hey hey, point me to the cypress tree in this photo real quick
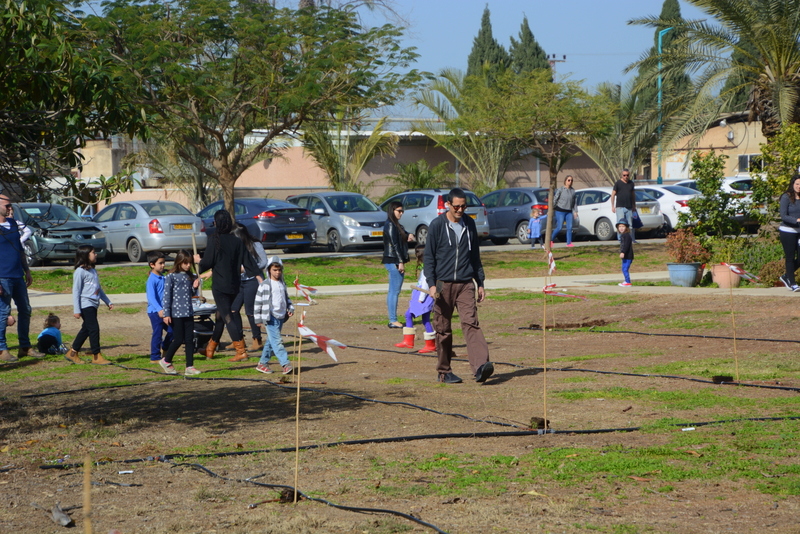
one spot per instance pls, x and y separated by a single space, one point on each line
486 51
526 54
674 84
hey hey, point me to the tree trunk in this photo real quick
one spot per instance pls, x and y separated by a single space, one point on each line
551 208
226 182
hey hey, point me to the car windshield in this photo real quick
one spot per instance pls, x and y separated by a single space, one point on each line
350 203
51 213
680 190
160 209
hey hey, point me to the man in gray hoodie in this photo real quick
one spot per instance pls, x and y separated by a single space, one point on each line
453 269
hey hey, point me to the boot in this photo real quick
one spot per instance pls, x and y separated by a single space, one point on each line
211 346
7 357
258 344
408 338
72 356
25 351
98 359
241 351
430 343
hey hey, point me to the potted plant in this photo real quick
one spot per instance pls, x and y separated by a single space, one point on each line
688 255
724 250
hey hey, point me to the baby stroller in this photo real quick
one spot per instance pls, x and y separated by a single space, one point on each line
203 323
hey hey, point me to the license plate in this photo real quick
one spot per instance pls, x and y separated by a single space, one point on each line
182 226
644 209
294 236
473 216
377 233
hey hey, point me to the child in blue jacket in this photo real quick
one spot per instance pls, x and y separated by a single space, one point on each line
535 227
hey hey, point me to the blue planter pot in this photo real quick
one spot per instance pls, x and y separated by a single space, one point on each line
684 274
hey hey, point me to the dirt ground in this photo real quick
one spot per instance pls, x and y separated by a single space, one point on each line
225 411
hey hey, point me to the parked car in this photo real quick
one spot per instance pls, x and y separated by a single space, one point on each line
509 211
672 199
423 205
57 232
597 219
731 184
136 228
342 218
276 223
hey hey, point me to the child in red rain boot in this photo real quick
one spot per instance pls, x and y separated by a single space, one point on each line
420 305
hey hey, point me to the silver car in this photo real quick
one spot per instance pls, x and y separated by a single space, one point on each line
597 219
343 219
57 232
423 205
136 228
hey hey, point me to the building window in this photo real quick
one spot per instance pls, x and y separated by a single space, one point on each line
750 163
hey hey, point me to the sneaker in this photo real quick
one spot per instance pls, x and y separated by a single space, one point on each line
624 284
287 369
191 371
785 281
449 378
570 245
263 368
795 288
7 357
167 367
484 372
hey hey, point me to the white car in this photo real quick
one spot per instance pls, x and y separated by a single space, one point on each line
732 184
597 219
672 199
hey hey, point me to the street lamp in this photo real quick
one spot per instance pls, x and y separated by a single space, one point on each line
660 38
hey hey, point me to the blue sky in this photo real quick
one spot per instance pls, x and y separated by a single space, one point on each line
594 35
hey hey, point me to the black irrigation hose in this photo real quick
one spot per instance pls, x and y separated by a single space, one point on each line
592 331
402 439
359 509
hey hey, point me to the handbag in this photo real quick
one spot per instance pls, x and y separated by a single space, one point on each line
636 222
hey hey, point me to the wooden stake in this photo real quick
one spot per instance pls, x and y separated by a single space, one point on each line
298 351
733 322
194 253
87 495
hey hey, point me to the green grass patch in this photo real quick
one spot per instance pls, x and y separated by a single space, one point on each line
668 400
751 367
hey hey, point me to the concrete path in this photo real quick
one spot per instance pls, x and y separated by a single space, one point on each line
575 283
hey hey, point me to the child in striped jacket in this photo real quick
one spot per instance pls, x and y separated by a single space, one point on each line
272 308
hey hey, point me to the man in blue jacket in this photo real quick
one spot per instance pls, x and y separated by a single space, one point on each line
15 277
453 269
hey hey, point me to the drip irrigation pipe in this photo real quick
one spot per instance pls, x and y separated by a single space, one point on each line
662 334
299 494
401 439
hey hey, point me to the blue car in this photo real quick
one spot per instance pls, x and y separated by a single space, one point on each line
276 223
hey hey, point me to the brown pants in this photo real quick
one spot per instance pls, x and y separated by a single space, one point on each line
458 296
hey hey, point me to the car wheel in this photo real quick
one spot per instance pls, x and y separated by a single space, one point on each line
422 235
30 255
334 241
135 252
499 240
604 230
522 233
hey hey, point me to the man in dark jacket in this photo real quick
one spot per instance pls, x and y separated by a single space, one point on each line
452 269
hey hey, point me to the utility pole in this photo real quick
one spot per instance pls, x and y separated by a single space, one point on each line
552 60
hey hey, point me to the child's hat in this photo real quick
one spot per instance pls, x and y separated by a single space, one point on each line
624 223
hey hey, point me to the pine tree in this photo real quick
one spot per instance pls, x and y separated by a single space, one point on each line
672 83
526 54
486 51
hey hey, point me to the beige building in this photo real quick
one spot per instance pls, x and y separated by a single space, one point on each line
296 172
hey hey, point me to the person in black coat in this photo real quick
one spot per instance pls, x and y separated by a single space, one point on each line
226 256
395 256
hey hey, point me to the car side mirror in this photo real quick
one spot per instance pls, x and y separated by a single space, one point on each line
320 211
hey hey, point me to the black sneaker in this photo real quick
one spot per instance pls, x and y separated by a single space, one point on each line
449 378
785 282
484 372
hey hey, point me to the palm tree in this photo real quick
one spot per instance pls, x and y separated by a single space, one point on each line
419 175
614 151
755 43
343 155
485 159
